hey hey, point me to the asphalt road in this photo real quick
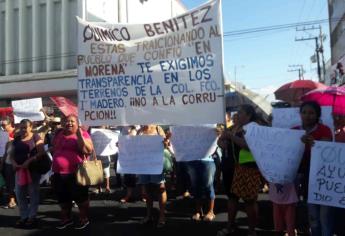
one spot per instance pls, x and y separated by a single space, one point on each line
109 217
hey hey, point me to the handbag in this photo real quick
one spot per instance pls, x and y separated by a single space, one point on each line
90 172
42 164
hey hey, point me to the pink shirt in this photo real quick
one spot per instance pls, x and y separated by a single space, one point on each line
67 156
283 194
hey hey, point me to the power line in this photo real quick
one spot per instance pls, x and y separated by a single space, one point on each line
227 34
278 27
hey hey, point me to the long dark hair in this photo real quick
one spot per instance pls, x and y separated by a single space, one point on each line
249 110
314 105
26 121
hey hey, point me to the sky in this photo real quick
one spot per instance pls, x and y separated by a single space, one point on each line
261 59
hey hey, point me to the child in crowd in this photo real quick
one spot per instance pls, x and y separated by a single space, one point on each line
284 199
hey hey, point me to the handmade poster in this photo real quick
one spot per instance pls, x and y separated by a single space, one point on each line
104 141
290 117
193 142
27 109
140 154
327 174
277 152
3 141
168 72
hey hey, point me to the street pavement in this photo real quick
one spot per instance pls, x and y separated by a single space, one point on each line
110 217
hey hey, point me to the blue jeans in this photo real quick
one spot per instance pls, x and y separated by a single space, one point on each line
27 210
201 174
321 220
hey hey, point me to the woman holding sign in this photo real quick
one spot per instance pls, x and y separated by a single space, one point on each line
151 182
71 145
247 179
320 217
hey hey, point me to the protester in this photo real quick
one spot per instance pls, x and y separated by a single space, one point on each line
202 173
151 182
284 198
71 146
7 168
106 170
230 152
27 147
247 179
129 179
321 217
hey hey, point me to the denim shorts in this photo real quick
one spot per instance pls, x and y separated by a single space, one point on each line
201 174
151 179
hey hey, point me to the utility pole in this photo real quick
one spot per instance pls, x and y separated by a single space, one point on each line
318 48
322 55
298 68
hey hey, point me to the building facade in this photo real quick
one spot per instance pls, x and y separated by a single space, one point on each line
38 40
336 10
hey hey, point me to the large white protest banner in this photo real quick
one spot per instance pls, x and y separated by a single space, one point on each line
193 142
167 72
27 109
290 117
3 141
277 152
140 154
327 174
104 141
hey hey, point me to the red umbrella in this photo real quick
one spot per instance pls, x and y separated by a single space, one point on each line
330 96
293 91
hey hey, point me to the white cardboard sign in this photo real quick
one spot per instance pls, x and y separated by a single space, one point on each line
327 174
104 141
277 152
27 109
193 142
140 154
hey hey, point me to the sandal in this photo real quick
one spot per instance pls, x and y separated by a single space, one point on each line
209 217
223 232
161 224
146 220
21 222
124 200
10 206
197 217
31 222
226 231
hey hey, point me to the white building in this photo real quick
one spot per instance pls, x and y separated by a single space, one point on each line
336 10
38 40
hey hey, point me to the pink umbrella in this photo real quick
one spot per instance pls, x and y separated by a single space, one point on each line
330 96
293 91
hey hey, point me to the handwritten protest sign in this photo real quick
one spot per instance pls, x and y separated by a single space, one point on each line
167 72
104 141
193 142
27 109
3 141
140 154
327 174
290 117
277 152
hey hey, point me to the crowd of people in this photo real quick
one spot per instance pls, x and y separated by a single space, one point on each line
232 163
